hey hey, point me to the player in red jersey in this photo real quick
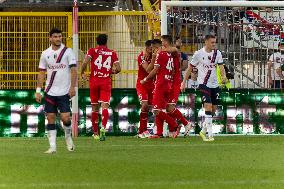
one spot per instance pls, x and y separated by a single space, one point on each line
163 70
175 90
104 62
145 91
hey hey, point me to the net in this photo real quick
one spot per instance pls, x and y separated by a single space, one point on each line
247 34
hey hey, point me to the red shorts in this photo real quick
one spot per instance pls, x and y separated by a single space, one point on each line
174 94
161 98
145 93
100 90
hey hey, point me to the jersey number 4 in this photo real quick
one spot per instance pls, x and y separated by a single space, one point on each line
106 64
170 64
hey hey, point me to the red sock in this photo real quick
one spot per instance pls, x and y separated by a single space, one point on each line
178 115
105 117
95 122
143 122
171 122
159 124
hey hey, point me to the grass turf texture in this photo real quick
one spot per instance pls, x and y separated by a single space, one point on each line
127 162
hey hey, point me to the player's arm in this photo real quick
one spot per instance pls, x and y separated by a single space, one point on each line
223 73
40 78
72 62
150 67
279 72
184 63
86 62
116 68
270 64
151 74
220 63
73 71
187 74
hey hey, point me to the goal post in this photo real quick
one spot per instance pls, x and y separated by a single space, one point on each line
165 4
248 33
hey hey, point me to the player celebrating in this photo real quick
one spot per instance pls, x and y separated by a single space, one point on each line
58 61
104 62
206 60
175 89
163 70
145 91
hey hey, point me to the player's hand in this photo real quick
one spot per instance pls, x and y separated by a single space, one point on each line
72 92
270 81
143 81
224 80
38 97
84 77
182 86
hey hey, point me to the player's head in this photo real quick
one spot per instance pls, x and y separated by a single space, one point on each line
281 45
102 39
55 36
148 46
156 44
166 40
210 41
178 43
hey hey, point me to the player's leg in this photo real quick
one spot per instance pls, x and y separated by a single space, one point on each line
64 108
143 97
51 110
215 96
94 96
95 120
105 117
160 101
207 104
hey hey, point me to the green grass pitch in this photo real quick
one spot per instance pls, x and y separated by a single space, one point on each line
127 162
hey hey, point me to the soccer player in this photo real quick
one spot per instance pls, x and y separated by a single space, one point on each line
58 61
206 61
104 62
163 70
144 92
275 76
175 89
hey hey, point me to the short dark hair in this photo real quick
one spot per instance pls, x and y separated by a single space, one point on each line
167 38
209 37
54 30
148 43
156 41
102 39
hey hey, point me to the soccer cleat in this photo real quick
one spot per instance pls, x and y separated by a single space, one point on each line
70 144
202 135
102 134
210 139
146 134
187 129
50 151
171 134
177 132
155 136
96 137
141 135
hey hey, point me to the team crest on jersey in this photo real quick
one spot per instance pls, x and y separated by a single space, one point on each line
209 57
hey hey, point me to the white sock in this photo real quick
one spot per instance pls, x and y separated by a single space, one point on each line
208 122
204 128
52 138
68 131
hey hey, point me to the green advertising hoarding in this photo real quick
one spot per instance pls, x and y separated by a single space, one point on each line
240 112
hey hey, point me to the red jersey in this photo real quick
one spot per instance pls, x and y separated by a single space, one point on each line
141 71
164 77
177 74
102 61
